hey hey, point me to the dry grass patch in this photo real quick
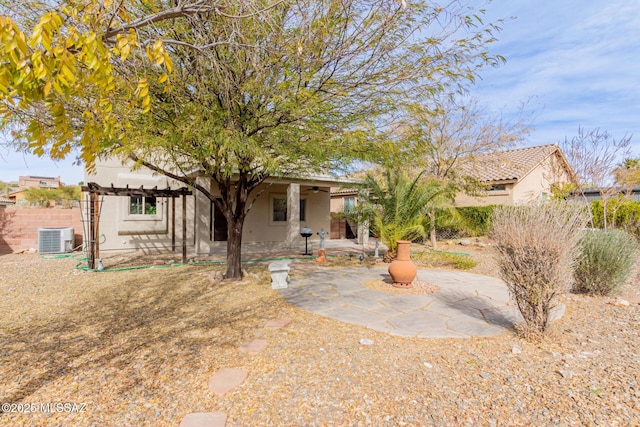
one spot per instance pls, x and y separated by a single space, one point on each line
124 341
138 347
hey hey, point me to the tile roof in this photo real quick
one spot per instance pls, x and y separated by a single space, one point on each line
508 165
343 191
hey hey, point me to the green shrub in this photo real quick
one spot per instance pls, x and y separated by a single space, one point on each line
607 259
477 219
470 221
622 214
537 246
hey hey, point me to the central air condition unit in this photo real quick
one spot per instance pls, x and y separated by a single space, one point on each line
55 240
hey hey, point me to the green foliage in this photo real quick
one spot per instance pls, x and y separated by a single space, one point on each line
64 196
435 259
537 246
607 259
396 208
468 221
622 213
627 173
477 219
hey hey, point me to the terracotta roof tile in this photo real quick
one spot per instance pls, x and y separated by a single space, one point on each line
508 165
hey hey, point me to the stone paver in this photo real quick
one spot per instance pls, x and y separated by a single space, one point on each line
253 347
466 305
226 379
204 419
278 323
420 321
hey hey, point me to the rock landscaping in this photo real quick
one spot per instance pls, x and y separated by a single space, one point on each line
151 347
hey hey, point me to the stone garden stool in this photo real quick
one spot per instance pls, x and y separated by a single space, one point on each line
279 274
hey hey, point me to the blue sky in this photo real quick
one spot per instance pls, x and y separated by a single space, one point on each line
576 63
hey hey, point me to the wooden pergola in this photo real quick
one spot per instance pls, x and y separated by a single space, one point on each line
96 190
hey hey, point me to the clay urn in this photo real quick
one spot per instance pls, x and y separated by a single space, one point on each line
402 270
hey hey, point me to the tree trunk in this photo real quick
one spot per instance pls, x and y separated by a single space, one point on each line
234 201
432 235
234 252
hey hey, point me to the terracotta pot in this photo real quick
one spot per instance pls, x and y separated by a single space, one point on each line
402 270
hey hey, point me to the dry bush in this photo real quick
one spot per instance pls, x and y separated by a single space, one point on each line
537 246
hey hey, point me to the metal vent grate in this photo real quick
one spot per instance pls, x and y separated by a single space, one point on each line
55 240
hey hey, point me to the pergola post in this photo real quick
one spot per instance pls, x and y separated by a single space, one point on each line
184 228
92 232
173 224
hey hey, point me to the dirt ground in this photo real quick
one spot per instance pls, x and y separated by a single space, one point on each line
136 347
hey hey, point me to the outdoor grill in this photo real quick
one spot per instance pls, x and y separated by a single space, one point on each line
306 232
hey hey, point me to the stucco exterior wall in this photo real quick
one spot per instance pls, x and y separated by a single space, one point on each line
536 186
497 197
120 230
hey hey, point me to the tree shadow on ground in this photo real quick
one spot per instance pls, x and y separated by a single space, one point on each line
477 307
155 314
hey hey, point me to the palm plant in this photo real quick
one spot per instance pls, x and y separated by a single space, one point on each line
397 207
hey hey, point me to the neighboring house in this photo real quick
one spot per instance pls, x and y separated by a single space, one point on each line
5 201
516 177
26 182
284 207
39 182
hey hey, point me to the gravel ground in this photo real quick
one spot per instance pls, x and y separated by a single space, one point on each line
137 347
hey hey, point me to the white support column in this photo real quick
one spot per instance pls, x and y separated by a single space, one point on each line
293 215
201 218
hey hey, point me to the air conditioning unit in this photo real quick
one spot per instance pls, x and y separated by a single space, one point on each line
55 240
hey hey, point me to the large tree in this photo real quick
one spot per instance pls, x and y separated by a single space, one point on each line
446 135
235 91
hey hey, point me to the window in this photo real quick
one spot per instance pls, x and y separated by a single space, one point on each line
139 205
349 204
303 209
280 209
500 187
43 183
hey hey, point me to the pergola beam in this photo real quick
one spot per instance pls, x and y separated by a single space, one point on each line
96 190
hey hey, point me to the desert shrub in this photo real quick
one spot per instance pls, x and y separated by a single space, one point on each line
607 259
537 247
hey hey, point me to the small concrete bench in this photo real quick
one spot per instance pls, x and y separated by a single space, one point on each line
279 274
